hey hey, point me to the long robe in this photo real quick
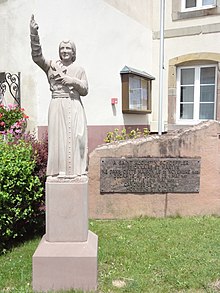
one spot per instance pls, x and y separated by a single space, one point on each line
67 130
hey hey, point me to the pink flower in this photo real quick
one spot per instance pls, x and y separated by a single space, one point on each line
2 123
10 106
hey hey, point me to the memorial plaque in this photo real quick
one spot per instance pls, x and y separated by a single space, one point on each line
149 175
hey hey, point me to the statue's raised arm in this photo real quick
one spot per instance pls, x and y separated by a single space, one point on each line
36 50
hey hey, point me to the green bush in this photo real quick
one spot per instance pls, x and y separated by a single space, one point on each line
21 193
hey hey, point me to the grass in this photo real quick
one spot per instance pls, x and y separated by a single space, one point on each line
141 255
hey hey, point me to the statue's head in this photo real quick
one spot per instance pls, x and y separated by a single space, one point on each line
67 49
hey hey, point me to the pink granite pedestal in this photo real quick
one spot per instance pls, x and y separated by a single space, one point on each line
66 257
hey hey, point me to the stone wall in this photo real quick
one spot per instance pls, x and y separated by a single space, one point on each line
202 140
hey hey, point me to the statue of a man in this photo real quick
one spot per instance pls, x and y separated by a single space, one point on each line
67 131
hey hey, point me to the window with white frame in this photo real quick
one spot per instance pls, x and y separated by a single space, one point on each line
196 93
188 5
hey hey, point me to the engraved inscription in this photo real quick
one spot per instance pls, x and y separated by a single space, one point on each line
149 175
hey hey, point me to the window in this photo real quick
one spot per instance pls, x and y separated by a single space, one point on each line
196 93
188 5
136 91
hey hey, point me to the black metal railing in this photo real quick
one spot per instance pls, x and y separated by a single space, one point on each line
12 83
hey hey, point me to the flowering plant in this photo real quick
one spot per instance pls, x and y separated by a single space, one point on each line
13 120
118 135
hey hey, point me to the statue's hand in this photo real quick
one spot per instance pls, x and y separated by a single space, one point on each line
65 80
33 26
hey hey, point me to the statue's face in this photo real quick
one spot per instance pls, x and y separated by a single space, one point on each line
66 52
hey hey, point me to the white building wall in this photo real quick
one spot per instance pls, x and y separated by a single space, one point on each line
139 10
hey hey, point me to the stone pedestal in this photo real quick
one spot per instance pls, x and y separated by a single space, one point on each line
67 210
65 265
66 257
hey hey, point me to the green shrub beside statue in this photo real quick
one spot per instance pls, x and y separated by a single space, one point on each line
22 178
21 193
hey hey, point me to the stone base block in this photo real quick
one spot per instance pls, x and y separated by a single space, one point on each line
66 210
66 265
